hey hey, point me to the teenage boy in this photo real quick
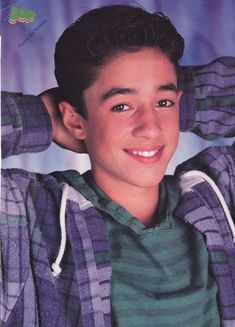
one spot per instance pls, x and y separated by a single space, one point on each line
129 247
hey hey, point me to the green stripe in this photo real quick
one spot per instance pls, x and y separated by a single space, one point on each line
220 257
12 220
16 121
216 102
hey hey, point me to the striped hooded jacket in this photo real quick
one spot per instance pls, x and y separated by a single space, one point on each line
33 208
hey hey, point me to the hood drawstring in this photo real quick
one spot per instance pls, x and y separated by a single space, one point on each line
196 173
56 270
193 174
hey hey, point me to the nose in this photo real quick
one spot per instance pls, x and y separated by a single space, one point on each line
148 124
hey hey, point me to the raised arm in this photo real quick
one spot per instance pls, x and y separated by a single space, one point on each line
208 103
208 109
29 123
26 125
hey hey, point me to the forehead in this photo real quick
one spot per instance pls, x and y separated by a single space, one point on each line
143 66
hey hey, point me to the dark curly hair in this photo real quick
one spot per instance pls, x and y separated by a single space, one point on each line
95 37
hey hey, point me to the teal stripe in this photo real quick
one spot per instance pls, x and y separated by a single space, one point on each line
160 275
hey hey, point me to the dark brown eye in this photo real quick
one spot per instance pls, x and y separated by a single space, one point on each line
120 107
165 103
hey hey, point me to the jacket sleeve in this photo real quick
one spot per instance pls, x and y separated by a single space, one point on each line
26 125
208 103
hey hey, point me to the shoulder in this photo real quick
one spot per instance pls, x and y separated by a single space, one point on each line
20 192
218 163
214 161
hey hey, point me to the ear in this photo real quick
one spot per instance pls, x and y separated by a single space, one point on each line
72 120
179 95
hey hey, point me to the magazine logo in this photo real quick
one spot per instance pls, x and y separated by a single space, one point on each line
21 15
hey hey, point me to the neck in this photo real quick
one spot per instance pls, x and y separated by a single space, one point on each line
141 202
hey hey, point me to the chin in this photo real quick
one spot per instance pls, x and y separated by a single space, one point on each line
149 181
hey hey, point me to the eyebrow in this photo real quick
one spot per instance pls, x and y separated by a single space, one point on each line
116 91
119 90
168 87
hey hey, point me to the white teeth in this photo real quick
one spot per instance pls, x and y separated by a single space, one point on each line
145 153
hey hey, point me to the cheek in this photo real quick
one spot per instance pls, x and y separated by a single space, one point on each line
100 137
174 135
171 125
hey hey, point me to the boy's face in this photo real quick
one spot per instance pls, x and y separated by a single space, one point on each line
133 119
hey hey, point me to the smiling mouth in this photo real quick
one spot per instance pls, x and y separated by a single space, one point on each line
146 156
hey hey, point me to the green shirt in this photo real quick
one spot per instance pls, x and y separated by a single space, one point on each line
160 275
